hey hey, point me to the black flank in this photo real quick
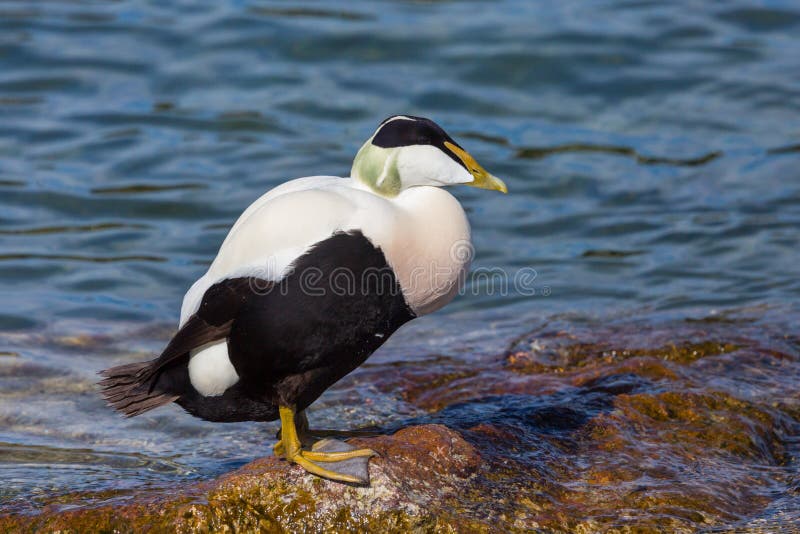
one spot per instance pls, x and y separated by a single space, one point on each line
288 341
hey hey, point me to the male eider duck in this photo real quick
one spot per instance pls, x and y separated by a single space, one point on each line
312 279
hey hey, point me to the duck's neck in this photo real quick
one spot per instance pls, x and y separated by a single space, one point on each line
376 168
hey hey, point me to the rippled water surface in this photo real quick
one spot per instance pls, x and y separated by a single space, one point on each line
651 152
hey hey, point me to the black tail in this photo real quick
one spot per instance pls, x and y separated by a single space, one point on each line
130 388
138 387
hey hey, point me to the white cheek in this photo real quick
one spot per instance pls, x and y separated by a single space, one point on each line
427 165
456 173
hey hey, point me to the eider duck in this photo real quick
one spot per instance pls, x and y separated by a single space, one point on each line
313 277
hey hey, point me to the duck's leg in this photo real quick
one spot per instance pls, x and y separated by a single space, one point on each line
309 435
290 447
301 427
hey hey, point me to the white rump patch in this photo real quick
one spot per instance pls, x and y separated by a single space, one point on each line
210 369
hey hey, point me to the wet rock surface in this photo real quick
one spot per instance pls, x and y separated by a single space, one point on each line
679 426
415 484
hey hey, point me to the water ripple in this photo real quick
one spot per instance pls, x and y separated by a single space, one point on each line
75 257
86 228
542 152
650 148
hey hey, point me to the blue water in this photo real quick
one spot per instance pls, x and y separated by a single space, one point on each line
651 152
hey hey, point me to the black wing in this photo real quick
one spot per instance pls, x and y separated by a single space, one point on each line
138 387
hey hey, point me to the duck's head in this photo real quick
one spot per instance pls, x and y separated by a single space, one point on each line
408 151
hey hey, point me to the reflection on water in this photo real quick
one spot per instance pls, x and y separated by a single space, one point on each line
650 149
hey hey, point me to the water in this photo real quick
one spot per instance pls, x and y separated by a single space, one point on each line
651 152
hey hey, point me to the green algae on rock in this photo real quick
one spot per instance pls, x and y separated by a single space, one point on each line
418 475
678 426
603 426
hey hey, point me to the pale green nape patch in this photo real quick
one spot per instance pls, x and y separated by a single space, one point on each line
377 168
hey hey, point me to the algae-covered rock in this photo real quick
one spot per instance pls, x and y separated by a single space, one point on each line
602 427
419 471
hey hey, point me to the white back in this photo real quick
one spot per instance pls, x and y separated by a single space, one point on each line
421 231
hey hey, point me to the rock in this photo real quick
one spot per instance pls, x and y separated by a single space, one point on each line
604 427
414 483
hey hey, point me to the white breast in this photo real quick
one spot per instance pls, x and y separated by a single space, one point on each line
432 251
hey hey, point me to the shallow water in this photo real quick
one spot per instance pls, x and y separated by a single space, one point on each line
651 153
